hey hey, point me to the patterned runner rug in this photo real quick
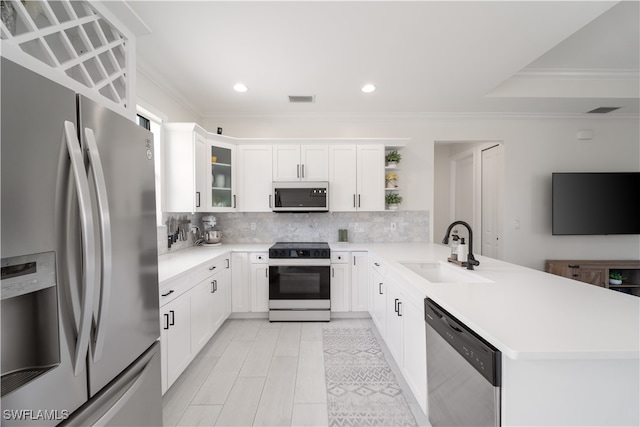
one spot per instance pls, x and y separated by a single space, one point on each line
361 388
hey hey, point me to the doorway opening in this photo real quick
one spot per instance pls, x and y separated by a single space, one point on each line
468 186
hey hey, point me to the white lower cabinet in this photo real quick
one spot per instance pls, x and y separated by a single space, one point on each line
250 278
191 314
414 355
175 339
241 279
340 282
378 292
201 315
259 287
395 327
359 264
398 314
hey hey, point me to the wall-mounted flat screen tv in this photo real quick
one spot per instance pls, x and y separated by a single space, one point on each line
595 203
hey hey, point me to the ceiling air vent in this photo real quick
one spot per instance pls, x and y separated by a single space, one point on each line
603 110
302 99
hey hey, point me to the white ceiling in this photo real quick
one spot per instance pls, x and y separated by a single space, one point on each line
425 57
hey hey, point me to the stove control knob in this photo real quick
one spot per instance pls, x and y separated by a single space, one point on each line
316 254
325 253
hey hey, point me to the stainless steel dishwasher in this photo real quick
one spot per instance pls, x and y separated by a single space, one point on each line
463 372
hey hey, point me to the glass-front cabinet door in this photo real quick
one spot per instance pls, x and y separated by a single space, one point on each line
222 177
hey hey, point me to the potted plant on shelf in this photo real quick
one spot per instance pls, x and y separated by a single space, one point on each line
616 278
393 200
393 158
391 180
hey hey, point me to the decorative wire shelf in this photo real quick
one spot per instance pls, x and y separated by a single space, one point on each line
72 38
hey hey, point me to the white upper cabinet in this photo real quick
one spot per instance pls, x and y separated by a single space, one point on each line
205 172
305 162
185 182
254 178
370 168
199 170
356 178
221 176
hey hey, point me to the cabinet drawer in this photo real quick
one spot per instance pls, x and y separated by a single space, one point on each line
259 257
339 257
174 288
208 268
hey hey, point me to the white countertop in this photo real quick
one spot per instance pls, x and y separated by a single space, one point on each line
174 264
526 313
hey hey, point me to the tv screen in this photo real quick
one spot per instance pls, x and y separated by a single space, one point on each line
593 203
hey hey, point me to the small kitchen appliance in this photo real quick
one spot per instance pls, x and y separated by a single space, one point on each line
302 196
210 236
299 281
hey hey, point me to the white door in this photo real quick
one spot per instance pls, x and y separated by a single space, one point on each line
359 281
340 287
370 167
259 287
241 279
492 185
286 162
202 170
342 178
314 160
255 178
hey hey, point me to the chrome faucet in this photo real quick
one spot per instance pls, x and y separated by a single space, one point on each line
471 260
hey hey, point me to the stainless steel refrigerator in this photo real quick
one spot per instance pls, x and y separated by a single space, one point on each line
79 260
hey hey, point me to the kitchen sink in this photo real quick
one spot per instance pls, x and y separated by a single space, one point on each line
443 272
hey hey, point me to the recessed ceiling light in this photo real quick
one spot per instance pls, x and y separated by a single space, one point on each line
368 88
239 87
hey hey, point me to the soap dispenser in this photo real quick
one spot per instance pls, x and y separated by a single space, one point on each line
463 251
454 244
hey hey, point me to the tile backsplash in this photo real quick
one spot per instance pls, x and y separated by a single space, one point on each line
259 227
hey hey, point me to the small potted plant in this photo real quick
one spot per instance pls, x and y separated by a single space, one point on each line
393 158
391 179
393 200
616 278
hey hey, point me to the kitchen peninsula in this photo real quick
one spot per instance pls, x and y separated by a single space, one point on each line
570 352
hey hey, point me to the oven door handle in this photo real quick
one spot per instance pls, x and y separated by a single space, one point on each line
295 262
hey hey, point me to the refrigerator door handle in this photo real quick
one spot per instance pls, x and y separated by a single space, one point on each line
70 139
105 230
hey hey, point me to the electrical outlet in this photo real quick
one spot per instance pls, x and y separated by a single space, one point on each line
253 226
393 226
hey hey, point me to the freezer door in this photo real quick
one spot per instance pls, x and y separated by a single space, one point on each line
134 398
34 151
119 156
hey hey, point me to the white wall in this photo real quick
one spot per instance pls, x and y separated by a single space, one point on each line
152 97
534 148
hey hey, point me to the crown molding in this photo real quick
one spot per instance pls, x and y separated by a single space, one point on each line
422 116
579 73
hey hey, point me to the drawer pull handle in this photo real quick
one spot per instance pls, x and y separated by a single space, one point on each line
168 293
380 288
212 268
173 318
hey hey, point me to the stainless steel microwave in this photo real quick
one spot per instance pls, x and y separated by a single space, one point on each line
303 196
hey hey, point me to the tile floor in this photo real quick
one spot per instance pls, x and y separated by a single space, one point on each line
253 372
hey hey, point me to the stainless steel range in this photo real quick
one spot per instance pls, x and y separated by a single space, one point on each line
299 282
